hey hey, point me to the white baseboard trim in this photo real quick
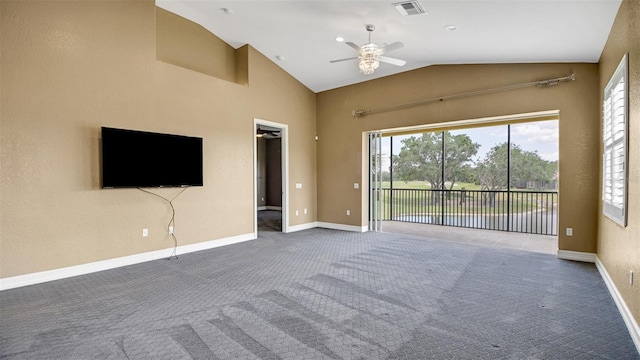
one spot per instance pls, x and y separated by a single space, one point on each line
342 227
577 256
211 244
632 325
301 227
62 273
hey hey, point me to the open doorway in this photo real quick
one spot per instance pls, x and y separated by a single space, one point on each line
270 177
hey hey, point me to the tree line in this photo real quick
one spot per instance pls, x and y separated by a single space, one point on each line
423 159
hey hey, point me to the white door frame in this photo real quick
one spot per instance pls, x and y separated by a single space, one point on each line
375 180
284 128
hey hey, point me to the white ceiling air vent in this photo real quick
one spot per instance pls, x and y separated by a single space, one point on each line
409 8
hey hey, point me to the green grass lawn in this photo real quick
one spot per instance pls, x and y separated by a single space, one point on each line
398 184
427 202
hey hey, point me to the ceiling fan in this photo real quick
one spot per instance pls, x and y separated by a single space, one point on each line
370 55
267 134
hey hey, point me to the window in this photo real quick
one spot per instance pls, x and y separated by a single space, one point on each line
614 136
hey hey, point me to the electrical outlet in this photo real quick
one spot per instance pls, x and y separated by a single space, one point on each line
170 229
569 232
145 232
348 212
296 212
305 211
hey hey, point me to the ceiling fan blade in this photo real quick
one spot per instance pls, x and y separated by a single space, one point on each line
392 61
345 59
393 46
354 46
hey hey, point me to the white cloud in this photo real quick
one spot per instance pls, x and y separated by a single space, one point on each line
386 150
539 132
549 156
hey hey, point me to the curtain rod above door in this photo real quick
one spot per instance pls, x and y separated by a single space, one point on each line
539 83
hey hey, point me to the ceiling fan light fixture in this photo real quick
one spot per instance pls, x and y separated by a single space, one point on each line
369 58
268 133
370 54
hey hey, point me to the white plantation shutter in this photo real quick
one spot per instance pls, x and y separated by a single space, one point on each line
614 136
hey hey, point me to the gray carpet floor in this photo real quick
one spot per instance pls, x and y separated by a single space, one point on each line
323 294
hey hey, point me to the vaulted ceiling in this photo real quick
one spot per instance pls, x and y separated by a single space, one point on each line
300 36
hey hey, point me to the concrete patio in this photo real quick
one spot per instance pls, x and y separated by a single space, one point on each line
544 244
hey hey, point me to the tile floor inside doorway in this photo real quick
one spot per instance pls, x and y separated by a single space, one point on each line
269 221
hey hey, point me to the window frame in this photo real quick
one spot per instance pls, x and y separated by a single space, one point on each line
615 144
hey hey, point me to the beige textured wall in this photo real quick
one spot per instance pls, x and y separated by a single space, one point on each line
69 68
274 172
340 149
269 172
184 43
618 247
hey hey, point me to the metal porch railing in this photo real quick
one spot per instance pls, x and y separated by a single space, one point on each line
533 212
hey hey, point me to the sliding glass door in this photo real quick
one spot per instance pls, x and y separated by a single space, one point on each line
375 181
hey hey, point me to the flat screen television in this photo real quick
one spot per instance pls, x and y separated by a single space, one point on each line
132 159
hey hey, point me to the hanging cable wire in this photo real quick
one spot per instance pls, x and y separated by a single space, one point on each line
539 83
171 225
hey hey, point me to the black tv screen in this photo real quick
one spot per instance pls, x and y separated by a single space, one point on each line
133 158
